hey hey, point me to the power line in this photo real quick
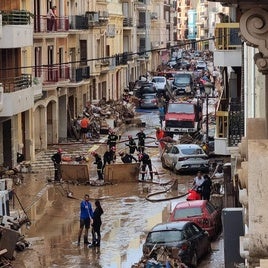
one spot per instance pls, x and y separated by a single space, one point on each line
120 55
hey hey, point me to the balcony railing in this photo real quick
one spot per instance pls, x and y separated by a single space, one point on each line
53 74
16 17
13 84
78 22
226 36
42 24
127 22
80 73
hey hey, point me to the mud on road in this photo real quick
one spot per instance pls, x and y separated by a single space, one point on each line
127 218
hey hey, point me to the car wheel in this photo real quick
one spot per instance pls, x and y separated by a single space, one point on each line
174 169
194 261
163 163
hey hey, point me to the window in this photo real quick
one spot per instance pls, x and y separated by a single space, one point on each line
165 236
182 213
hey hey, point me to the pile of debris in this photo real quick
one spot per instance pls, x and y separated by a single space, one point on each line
102 116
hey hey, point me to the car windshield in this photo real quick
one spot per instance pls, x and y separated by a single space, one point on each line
183 213
148 97
181 108
167 236
148 89
159 79
182 79
191 151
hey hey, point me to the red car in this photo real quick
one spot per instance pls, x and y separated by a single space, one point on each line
202 212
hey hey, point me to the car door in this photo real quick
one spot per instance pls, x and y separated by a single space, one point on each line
200 239
174 156
215 216
168 157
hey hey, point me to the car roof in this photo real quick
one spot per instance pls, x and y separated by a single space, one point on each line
179 225
184 146
148 94
192 203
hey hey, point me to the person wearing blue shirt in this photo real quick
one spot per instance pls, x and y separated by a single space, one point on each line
86 213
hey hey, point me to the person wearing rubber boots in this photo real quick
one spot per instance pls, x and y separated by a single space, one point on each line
98 162
112 139
145 161
86 214
141 141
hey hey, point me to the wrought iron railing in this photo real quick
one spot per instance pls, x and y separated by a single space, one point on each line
227 36
43 24
16 17
52 73
12 84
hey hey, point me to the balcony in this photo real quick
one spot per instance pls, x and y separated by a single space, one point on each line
128 22
16 29
227 44
103 17
16 95
79 74
78 22
42 24
53 74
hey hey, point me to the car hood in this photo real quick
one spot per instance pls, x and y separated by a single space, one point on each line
180 117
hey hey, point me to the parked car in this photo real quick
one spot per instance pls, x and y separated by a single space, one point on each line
185 157
183 83
149 100
146 88
201 65
160 83
172 62
201 212
187 237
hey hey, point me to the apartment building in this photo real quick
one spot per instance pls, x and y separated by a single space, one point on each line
50 69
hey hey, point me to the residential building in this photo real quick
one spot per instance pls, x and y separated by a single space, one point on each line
18 90
245 117
50 68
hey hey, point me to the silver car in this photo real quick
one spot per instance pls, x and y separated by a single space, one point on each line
185 157
149 101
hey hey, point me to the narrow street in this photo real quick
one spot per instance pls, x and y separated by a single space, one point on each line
127 217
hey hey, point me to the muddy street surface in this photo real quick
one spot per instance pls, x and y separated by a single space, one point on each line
127 217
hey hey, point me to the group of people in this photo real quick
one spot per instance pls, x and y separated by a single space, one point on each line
109 156
87 215
202 185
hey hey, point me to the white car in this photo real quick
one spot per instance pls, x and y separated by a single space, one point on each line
201 65
185 157
160 82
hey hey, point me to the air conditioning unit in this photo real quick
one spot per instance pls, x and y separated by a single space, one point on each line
154 16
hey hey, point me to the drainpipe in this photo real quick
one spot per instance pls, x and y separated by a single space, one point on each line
253 50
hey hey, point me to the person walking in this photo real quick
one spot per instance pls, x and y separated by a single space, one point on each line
86 213
84 128
131 144
98 162
141 140
56 158
206 188
96 235
145 161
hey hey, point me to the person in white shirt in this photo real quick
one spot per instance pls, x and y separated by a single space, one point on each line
51 16
198 181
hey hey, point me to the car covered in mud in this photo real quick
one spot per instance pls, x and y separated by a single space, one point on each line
201 212
183 240
185 157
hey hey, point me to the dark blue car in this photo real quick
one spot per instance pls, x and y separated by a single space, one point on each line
183 240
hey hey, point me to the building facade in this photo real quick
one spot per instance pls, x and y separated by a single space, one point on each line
52 66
